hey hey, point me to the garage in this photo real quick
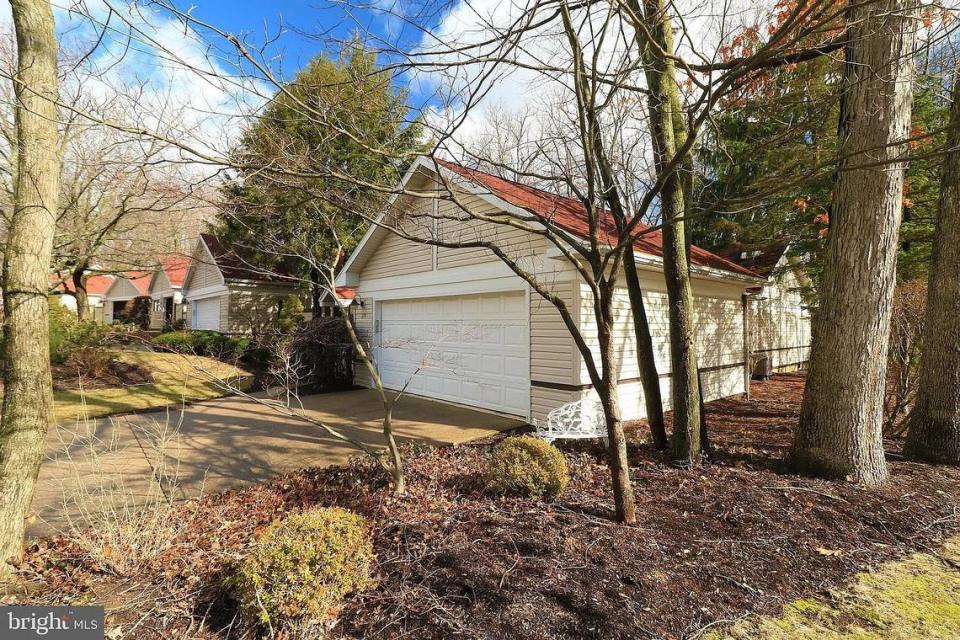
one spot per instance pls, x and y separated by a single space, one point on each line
469 349
206 314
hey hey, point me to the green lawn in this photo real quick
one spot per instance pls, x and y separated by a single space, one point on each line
177 378
918 597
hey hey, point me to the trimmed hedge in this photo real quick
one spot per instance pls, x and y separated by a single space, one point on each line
203 343
527 466
304 565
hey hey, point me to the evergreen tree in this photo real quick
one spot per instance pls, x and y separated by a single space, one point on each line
768 167
338 116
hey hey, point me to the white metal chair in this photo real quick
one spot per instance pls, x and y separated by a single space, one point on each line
574 420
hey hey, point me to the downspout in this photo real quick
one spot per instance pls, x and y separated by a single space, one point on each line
745 300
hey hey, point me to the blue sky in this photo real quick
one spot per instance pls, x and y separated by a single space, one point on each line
328 20
257 18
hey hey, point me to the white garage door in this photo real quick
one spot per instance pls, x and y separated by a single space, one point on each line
471 350
206 314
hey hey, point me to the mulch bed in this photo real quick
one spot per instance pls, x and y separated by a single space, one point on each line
113 373
712 544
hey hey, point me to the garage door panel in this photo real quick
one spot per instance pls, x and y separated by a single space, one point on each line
206 314
468 349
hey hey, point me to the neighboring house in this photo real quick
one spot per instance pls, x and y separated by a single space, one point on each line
460 326
166 292
346 297
779 323
228 295
96 288
123 297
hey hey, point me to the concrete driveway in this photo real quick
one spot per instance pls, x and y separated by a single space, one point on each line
220 444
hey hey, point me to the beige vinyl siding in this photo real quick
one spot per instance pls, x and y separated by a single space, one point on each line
363 321
719 323
123 289
156 315
544 400
552 349
396 256
456 226
552 352
780 324
205 274
225 301
160 284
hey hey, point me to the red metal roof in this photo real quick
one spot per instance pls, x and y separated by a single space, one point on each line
96 285
570 215
139 279
346 293
176 267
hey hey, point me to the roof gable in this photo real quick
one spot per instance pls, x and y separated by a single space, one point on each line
131 284
159 282
567 214
234 267
201 256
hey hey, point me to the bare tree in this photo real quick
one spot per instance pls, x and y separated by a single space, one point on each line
28 388
934 427
599 57
840 430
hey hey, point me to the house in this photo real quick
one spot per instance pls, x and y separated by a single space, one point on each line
126 299
344 297
458 325
96 288
229 295
166 292
779 322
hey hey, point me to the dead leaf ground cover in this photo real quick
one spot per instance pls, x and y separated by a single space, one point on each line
712 544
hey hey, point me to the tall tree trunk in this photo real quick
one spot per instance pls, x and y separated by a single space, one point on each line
28 391
840 429
663 101
646 357
934 427
623 497
80 294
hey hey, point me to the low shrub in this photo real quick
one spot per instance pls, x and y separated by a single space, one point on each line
93 362
304 565
527 466
203 343
68 334
179 341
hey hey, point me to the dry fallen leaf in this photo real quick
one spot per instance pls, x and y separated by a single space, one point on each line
829 552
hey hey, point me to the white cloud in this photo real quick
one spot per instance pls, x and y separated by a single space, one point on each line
154 72
466 94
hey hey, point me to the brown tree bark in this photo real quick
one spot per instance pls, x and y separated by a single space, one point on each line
646 358
933 432
623 496
604 382
663 101
80 293
28 394
840 429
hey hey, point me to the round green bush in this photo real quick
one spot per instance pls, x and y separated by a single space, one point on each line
527 466
304 565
